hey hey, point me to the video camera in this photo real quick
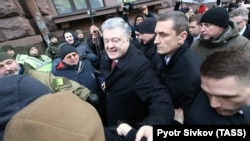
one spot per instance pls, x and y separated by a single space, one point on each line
125 7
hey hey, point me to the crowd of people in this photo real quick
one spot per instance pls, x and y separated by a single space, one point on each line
180 68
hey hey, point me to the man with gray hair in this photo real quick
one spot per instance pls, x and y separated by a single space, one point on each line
240 17
135 98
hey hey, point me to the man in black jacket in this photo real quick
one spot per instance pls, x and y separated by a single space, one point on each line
180 67
133 91
225 99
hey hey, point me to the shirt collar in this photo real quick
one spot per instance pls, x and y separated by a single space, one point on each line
242 31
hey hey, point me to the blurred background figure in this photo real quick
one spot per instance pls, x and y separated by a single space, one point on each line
80 35
10 50
52 50
240 17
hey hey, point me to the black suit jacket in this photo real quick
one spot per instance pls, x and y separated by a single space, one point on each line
134 93
247 32
202 114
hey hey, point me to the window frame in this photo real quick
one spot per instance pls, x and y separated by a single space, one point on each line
74 8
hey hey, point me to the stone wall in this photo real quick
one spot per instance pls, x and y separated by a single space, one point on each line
17 26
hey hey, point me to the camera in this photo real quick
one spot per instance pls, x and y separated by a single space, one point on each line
128 7
91 12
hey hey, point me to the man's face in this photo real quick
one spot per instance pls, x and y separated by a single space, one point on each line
80 36
138 20
11 52
240 21
33 51
53 40
210 31
145 37
9 67
166 39
69 37
71 59
226 95
137 36
115 42
194 28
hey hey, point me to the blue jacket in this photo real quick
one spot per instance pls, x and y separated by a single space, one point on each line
84 73
16 92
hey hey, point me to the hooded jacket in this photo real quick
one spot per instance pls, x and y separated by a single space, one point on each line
228 39
16 92
56 118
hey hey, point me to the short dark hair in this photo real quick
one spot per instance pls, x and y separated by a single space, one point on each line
180 20
195 17
229 62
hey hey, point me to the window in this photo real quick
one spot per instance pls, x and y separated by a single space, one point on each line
71 6
96 4
121 1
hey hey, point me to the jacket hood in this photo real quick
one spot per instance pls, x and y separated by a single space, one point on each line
76 41
16 92
230 32
56 117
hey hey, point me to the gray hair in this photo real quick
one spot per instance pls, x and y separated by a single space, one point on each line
117 22
241 11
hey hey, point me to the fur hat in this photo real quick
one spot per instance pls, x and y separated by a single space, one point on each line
56 117
147 26
4 56
216 16
66 48
16 92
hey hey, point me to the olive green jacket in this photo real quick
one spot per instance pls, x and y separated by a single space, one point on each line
58 84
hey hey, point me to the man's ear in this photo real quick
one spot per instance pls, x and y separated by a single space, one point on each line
182 37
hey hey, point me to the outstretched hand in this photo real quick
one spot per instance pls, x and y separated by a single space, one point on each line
145 131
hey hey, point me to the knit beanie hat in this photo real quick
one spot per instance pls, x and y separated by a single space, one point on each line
28 48
202 8
51 36
4 56
7 47
216 16
65 49
56 117
16 92
147 26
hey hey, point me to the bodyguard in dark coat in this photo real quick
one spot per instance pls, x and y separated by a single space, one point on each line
180 67
225 97
133 91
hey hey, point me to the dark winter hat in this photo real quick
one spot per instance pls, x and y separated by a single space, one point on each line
28 48
7 47
216 16
147 26
50 36
4 56
65 49
16 92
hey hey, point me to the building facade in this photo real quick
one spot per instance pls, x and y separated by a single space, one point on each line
26 22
